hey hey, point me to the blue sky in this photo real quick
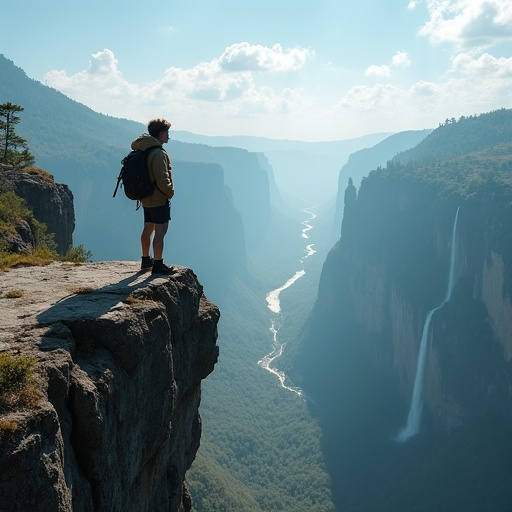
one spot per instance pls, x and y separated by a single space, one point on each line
323 70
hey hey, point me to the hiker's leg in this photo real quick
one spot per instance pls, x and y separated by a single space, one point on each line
158 240
145 238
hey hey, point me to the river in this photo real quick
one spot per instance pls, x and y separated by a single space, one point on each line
277 318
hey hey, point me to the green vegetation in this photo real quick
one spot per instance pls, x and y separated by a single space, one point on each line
13 294
14 149
392 261
259 445
78 254
260 448
81 290
460 156
459 137
37 171
14 213
463 175
467 161
7 427
17 382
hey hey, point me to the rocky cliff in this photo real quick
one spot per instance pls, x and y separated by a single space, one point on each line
89 163
390 272
246 174
391 268
51 203
120 358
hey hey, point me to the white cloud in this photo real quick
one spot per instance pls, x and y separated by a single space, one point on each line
103 64
239 94
379 71
485 65
205 81
222 87
401 59
391 108
98 85
412 5
377 97
102 70
467 23
423 88
247 57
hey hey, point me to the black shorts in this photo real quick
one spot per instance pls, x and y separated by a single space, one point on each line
158 214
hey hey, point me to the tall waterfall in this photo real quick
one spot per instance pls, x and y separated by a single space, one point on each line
414 417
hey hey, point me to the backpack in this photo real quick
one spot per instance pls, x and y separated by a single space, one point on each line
134 175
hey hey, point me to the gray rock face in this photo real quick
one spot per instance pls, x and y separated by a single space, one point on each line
120 366
51 203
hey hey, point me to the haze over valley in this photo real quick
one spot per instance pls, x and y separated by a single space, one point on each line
361 282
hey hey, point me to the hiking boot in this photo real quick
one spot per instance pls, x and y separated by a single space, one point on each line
159 267
147 263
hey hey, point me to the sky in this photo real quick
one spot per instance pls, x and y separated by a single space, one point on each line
282 69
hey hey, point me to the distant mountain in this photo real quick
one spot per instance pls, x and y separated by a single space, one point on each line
336 148
466 135
247 178
220 219
83 150
362 162
421 273
305 170
231 224
228 225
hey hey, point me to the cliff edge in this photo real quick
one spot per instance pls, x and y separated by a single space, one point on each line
120 356
51 203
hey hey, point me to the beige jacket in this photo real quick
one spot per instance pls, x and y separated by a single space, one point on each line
159 169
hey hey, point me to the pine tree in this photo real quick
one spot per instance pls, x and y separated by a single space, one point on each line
14 149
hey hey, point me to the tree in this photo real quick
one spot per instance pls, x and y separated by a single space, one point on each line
14 149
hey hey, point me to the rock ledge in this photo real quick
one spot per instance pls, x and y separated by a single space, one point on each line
121 355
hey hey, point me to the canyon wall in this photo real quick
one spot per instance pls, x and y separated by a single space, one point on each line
391 268
51 203
386 275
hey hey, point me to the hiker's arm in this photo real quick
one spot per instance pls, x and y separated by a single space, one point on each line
163 175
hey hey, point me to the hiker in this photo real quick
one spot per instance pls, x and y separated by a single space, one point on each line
157 206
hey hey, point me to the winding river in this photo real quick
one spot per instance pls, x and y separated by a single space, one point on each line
274 305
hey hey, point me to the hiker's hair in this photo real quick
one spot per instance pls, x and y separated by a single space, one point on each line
155 126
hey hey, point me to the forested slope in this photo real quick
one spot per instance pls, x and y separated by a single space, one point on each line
389 270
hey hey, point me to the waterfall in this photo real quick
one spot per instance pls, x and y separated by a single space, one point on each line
414 417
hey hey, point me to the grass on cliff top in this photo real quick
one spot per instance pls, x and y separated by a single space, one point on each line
37 171
40 256
14 213
18 386
18 389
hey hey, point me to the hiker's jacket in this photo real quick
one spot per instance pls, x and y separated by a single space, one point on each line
159 169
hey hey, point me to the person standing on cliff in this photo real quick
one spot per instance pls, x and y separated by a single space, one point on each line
157 206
